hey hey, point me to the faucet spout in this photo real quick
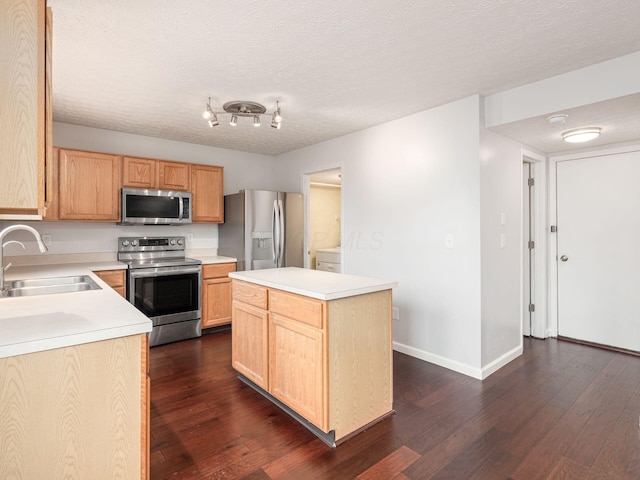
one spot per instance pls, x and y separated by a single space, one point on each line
41 246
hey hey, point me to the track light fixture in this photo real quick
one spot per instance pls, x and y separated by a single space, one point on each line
242 109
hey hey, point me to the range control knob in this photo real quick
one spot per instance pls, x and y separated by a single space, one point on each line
172 241
125 243
134 243
180 241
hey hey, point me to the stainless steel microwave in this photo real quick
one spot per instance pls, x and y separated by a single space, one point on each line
155 207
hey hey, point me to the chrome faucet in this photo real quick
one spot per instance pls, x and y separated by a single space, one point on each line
3 233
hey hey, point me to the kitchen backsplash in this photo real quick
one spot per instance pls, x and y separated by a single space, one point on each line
76 237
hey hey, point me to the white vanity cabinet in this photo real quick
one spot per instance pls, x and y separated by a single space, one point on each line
329 260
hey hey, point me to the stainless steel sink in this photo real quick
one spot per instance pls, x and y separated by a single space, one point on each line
46 286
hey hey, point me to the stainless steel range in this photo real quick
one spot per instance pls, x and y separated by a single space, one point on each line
164 285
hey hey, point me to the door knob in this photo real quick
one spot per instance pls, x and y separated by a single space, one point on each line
564 258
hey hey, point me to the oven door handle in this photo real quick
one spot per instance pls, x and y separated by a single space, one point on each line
163 271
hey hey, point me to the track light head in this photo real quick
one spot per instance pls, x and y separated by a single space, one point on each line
234 120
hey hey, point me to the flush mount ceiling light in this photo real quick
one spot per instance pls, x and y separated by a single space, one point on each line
242 109
581 135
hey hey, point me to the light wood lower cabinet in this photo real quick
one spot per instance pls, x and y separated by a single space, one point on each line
76 412
216 294
116 279
329 361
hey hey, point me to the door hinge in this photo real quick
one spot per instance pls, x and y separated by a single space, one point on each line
532 307
531 244
554 229
531 182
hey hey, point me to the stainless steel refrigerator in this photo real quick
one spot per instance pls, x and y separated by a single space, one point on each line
263 229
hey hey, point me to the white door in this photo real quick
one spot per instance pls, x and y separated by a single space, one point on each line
598 216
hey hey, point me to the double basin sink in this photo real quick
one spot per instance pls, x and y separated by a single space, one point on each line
45 286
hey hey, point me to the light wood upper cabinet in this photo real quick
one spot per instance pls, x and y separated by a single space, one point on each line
174 176
139 173
24 118
207 188
89 186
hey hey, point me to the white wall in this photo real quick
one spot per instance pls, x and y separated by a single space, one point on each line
500 198
407 184
241 170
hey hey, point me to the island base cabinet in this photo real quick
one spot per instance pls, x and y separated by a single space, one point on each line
76 412
330 362
297 368
249 347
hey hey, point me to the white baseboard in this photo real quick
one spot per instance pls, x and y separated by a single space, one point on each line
456 366
500 362
438 360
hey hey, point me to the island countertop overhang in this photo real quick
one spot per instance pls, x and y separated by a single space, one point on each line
313 283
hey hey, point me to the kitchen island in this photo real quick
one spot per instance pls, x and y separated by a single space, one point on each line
318 344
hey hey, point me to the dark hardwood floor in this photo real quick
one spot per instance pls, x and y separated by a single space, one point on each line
560 411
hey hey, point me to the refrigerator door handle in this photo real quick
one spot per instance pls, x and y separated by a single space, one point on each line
275 232
281 235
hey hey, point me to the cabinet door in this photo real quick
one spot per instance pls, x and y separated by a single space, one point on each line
174 176
89 186
207 188
139 172
23 115
296 368
216 302
249 342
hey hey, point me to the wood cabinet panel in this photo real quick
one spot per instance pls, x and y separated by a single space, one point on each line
23 117
87 424
51 212
116 279
296 368
249 293
207 188
139 172
174 176
216 302
250 349
303 309
89 186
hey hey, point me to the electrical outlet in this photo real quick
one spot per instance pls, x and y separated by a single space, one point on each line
46 238
395 313
189 237
448 241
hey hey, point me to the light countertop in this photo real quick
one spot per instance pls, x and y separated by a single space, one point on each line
314 283
44 322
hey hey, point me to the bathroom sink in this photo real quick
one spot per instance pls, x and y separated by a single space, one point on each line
46 286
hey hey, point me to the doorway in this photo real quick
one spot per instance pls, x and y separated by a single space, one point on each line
324 208
597 204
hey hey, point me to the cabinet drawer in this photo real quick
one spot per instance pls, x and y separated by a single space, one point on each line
303 309
328 267
217 270
248 293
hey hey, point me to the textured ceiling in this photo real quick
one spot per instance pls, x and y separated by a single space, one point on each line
148 66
